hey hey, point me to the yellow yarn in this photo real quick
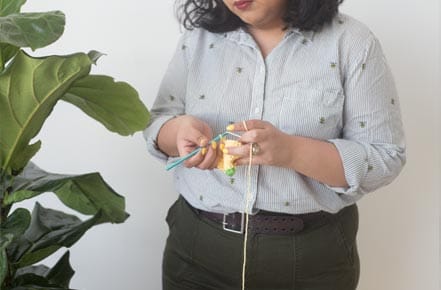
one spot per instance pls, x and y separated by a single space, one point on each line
226 161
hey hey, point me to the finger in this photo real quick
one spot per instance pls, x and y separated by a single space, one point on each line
253 136
247 125
195 160
197 137
209 158
218 153
246 161
240 151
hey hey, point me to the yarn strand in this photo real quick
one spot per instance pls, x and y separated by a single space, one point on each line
248 199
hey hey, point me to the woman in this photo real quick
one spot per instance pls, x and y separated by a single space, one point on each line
310 93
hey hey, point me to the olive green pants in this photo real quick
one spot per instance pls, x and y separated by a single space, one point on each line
200 255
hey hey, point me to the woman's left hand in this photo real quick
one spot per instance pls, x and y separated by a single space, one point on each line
271 146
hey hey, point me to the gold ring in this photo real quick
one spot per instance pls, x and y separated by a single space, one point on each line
255 149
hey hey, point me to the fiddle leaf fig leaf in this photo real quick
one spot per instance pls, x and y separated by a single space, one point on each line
10 6
5 240
16 223
95 55
116 105
50 230
3 264
56 278
87 193
25 155
34 30
39 270
62 272
7 52
29 89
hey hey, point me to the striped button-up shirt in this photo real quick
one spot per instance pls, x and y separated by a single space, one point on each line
333 85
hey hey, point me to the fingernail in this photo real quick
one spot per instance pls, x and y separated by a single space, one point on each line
204 151
230 127
222 146
214 145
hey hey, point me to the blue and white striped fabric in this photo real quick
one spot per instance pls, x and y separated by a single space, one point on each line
332 85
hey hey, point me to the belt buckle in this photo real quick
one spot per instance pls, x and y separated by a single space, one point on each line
229 229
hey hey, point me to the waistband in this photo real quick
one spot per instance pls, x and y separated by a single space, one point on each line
265 222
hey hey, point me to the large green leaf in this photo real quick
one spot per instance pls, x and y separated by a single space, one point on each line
3 264
10 6
87 194
32 30
7 52
40 270
14 226
62 272
33 282
51 230
59 276
115 104
5 240
29 89
17 223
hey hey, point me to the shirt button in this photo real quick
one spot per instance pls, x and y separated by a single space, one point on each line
257 110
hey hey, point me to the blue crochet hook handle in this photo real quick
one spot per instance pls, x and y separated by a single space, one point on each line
193 153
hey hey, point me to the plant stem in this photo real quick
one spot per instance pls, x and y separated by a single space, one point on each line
5 188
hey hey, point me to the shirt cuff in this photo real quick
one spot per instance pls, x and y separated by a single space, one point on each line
353 156
151 136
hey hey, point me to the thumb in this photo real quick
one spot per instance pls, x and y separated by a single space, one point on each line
197 137
191 139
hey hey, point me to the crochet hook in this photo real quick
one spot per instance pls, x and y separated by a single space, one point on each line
194 152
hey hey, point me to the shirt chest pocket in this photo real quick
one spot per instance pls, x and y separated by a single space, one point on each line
311 113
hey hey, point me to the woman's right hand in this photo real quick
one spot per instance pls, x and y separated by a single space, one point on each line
183 134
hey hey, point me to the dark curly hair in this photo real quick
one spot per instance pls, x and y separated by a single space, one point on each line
214 16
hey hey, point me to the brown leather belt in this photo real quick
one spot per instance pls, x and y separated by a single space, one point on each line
265 222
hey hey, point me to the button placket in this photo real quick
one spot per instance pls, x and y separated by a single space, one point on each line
256 112
258 90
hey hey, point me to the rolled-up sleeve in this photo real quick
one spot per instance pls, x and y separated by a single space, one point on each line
170 101
372 146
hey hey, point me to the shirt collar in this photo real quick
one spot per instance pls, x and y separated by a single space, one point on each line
241 36
309 35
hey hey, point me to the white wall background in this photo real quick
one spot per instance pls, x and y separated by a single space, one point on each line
399 227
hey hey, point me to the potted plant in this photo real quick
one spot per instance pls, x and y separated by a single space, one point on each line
30 87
